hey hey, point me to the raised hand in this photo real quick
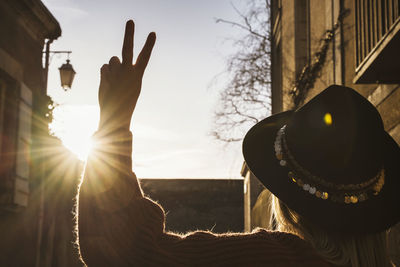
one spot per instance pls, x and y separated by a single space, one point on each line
121 83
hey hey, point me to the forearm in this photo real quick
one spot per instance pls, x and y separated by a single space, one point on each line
107 196
112 210
108 173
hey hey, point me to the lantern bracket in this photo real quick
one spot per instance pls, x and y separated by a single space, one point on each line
60 52
47 53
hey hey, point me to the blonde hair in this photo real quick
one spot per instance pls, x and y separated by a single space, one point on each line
367 250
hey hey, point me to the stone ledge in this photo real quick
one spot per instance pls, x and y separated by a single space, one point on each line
395 133
389 109
381 92
10 65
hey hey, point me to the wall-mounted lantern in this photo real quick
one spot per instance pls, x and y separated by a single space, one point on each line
67 75
67 72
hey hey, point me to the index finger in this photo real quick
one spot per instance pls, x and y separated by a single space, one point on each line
127 48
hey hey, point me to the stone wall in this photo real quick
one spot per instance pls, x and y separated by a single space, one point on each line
198 204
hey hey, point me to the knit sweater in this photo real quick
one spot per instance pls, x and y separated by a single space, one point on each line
118 226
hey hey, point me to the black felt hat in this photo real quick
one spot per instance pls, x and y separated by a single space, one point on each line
331 161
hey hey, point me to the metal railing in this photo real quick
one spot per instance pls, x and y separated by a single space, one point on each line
373 19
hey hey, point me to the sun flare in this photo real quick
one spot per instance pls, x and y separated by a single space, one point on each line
81 147
75 125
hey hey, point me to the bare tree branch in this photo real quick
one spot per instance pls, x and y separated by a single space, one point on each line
247 27
246 97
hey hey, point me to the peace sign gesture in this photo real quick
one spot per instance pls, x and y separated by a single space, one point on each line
120 83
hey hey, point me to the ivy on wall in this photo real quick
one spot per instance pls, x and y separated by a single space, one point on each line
50 105
306 80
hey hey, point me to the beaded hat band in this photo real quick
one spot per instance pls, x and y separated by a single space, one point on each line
321 188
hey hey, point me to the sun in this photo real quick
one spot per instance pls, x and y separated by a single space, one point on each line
81 147
75 125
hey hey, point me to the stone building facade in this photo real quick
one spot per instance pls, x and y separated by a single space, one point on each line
362 52
36 196
316 43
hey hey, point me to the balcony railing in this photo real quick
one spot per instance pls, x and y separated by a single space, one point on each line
377 22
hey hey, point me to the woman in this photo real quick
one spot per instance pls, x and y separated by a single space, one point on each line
330 162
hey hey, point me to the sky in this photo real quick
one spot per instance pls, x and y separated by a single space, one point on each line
174 114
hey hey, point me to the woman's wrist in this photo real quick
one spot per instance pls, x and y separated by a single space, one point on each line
116 144
113 135
115 122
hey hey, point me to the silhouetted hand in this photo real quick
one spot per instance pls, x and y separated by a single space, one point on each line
120 83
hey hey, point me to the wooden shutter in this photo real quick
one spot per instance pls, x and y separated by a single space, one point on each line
24 142
2 102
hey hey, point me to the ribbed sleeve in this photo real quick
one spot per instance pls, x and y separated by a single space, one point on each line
120 227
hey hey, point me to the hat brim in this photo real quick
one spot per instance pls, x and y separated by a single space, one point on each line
373 215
